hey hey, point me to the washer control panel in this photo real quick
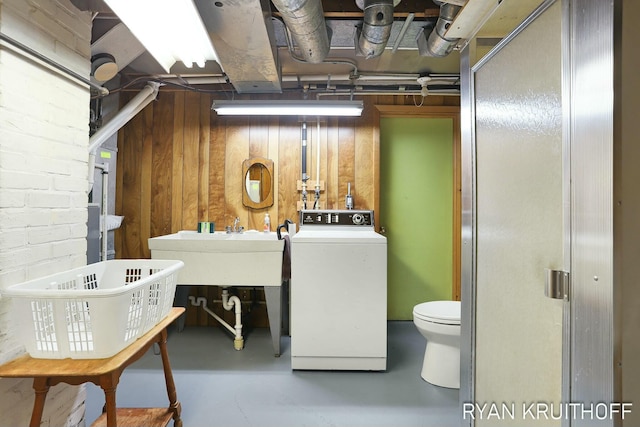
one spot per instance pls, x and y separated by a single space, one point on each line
337 217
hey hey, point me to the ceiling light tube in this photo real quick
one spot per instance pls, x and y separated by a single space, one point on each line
170 30
287 108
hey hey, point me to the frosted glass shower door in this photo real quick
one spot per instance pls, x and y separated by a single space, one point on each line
520 226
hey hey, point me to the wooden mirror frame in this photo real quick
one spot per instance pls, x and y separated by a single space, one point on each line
246 200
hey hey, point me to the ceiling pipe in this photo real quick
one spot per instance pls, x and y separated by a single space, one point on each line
403 31
305 20
413 92
373 34
378 79
432 41
129 111
204 79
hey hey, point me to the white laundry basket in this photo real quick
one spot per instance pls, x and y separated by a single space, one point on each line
94 311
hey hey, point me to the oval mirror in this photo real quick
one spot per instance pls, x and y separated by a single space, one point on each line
257 175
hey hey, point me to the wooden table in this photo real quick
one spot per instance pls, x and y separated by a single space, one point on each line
106 374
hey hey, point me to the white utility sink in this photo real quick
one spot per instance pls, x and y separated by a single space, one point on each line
251 258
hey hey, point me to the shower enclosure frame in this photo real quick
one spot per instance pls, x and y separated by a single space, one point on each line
591 342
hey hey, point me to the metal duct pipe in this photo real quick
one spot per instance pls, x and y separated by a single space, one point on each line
434 43
374 33
305 20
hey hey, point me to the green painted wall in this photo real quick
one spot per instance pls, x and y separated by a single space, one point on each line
416 209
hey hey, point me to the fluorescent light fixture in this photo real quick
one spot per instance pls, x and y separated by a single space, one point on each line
287 108
171 30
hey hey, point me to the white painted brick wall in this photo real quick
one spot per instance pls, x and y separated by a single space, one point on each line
55 27
43 177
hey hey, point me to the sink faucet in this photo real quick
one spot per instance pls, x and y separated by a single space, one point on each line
236 228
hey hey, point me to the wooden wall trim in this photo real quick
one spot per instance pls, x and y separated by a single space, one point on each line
414 111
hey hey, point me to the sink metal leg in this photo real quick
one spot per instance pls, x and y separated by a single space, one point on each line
273 296
181 299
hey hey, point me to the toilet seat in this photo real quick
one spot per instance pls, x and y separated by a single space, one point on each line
444 312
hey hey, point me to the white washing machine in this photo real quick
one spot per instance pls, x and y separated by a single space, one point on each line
338 292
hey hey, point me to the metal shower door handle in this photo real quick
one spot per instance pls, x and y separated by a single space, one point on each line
556 284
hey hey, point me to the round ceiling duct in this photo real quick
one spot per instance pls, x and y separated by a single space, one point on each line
103 67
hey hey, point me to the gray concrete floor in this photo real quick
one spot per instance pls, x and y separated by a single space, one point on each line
218 386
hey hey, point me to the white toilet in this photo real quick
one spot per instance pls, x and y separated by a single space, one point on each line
439 323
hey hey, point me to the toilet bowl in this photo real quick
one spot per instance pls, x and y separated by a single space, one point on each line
439 323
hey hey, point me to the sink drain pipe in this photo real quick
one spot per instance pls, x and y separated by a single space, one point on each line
228 303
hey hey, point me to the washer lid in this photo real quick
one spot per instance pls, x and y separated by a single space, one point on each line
447 312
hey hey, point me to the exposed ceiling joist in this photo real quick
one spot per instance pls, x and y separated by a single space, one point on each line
257 57
490 18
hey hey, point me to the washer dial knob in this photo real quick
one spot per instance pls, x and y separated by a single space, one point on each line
357 219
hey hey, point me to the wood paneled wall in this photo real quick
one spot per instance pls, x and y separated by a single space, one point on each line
180 163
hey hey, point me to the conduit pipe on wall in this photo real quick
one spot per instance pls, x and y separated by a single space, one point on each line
390 79
305 20
193 79
372 36
348 92
104 210
316 203
129 111
305 177
34 54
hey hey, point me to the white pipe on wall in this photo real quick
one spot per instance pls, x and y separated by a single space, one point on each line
104 210
304 165
317 189
318 156
103 218
34 55
129 111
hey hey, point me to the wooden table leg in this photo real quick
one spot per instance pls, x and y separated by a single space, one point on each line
174 404
41 386
109 383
